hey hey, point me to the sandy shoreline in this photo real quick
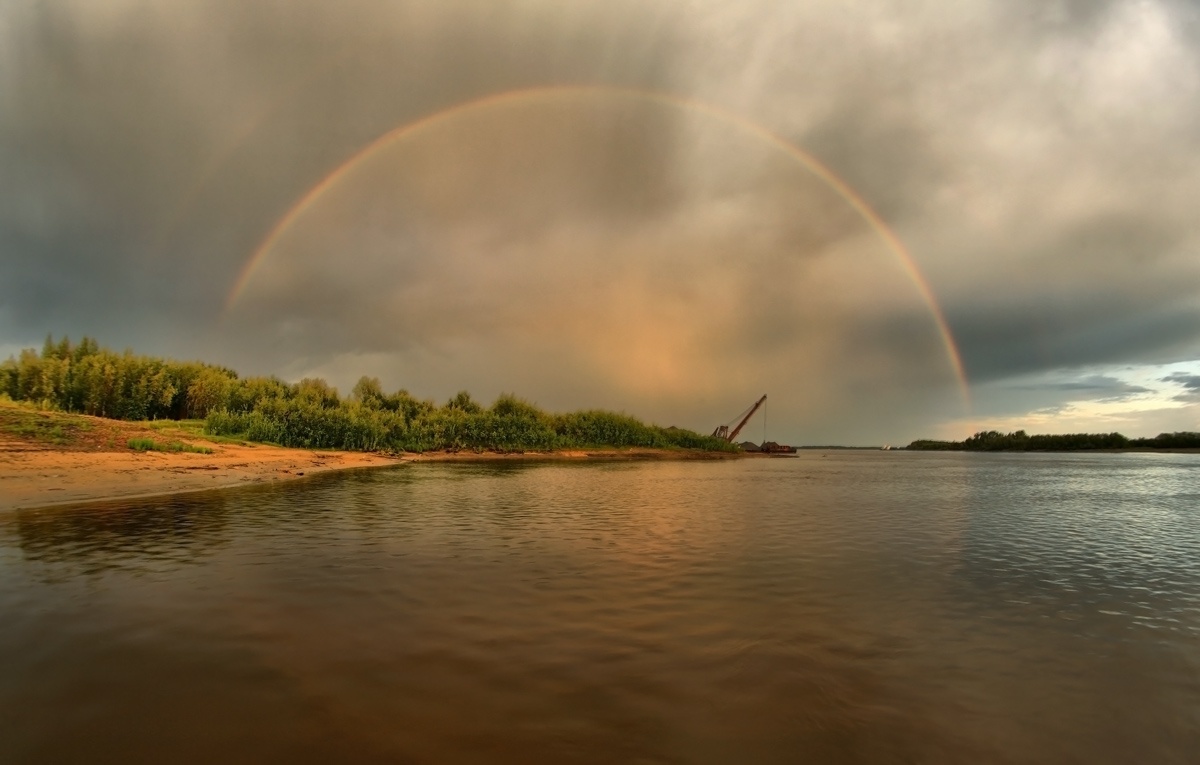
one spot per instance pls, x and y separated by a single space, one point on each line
51 458
33 477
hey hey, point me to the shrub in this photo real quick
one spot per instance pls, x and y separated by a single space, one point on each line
150 445
83 377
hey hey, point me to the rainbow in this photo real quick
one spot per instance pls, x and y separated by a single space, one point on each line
811 163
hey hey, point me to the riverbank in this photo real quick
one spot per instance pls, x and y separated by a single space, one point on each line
32 477
52 458
41 477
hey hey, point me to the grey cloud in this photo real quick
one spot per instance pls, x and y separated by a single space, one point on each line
1037 157
1097 387
1190 384
891 159
146 152
1073 17
998 342
1188 381
1055 392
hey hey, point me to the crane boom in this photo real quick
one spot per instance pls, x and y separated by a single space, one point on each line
724 432
746 419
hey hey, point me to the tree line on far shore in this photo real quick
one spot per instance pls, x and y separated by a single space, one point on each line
87 379
1020 441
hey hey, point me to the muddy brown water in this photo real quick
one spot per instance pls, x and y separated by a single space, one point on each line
836 608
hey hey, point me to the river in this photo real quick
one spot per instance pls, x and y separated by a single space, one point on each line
841 607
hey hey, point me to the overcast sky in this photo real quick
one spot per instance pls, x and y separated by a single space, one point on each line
606 247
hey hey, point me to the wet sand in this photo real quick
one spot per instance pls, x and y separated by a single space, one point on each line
37 477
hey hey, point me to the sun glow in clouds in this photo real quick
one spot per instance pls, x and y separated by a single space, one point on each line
537 94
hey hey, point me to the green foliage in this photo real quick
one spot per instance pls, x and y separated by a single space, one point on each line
88 379
25 420
208 390
150 445
1179 440
508 405
594 428
463 402
246 394
92 380
369 392
315 391
369 422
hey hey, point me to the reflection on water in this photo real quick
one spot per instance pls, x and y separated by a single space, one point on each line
842 608
132 535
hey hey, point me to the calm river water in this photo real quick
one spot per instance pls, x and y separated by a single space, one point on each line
842 607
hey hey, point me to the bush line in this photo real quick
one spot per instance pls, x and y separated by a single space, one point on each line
88 379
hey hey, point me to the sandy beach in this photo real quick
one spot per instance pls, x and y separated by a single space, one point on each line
52 458
38 477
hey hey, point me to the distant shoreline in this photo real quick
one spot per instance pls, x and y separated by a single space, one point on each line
1020 441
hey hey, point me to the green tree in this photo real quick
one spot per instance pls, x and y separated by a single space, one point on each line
463 402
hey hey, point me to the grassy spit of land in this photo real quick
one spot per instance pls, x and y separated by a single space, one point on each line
87 379
51 458
82 422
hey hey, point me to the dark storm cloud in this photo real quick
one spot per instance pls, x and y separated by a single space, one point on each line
146 149
1190 384
1033 333
1038 157
1100 387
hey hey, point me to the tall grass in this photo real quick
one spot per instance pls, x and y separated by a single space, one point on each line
509 425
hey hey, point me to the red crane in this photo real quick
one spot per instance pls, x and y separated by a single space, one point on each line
724 432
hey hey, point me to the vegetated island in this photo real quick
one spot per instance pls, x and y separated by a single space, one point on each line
1020 441
81 422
